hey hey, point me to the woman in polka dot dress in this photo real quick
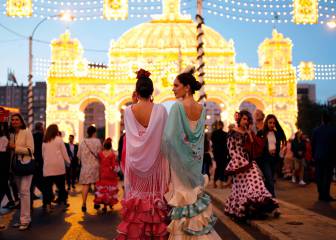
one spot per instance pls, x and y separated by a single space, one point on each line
249 197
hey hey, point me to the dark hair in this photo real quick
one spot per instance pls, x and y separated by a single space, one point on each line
23 124
91 130
244 113
107 144
144 85
71 136
278 127
51 133
188 79
39 127
4 130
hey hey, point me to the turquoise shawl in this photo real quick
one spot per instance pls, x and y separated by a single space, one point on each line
183 147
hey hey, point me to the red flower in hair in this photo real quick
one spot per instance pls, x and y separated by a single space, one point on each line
143 73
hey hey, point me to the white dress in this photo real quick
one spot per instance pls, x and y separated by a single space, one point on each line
179 197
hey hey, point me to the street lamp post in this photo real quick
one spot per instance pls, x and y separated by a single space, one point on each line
63 16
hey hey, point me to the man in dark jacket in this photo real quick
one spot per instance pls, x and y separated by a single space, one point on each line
72 170
38 175
220 152
324 155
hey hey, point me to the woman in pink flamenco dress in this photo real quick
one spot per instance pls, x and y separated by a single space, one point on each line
107 186
144 212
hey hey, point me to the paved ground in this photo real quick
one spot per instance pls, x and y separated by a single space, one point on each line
296 222
73 224
306 197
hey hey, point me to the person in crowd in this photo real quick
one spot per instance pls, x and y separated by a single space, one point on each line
258 117
71 171
38 180
231 126
55 156
288 155
324 154
274 138
249 197
146 170
299 149
183 145
88 156
4 163
309 174
107 185
207 159
220 152
22 145
120 149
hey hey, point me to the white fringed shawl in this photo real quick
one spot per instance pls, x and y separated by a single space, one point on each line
146 170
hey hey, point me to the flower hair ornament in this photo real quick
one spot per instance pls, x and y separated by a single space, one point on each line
142 73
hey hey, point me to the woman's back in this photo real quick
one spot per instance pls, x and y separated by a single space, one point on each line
54 155
193 110
142 113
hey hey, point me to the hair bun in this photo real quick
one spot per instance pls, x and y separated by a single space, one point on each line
190 69
142 73
108 140
197 85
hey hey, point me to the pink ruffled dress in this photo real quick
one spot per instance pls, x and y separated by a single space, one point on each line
144 210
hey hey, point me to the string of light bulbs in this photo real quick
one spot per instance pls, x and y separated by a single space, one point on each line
264 13
256 75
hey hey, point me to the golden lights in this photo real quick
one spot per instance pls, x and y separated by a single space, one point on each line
306 71
19 8
73 81
115 9
305 11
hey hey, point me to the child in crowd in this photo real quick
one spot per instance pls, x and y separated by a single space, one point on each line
107 185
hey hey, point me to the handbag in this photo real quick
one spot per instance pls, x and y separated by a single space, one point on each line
23 169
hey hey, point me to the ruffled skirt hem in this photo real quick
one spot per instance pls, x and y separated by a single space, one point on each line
143 219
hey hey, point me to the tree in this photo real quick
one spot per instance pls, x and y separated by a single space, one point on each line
309 115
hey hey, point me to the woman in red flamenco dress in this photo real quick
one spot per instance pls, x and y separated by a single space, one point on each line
107 186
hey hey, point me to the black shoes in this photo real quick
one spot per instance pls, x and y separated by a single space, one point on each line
84 209
327 199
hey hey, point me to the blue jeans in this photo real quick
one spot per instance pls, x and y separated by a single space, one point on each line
267 166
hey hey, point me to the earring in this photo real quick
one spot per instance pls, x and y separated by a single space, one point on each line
152 98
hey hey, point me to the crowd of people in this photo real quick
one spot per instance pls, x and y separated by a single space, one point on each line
297 159
165 162
42 160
